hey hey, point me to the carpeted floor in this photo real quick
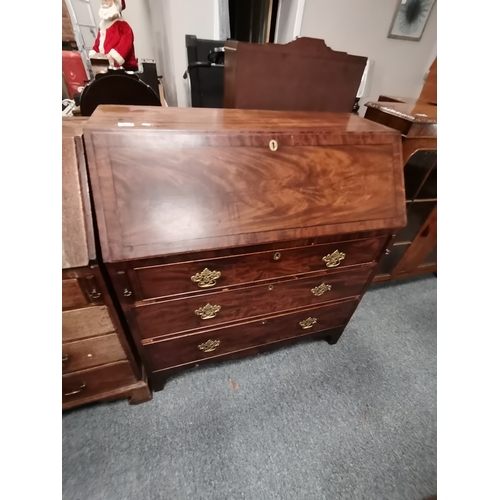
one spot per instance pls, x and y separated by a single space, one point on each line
356 420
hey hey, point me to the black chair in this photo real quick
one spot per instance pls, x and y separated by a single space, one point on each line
205 71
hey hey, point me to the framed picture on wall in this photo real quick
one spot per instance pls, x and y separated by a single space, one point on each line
410 19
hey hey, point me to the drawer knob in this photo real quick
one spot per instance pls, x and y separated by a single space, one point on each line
209 345
308 323
333 259
77 390
206 278
207 312
321 289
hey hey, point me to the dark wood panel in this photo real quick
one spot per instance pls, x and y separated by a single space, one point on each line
180 315
159 281
304 74
190 348
89 353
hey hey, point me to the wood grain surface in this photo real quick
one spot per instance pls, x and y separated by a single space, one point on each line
179 315
74 232
87 322
200 190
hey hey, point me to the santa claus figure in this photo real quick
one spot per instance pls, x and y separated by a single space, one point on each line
115 38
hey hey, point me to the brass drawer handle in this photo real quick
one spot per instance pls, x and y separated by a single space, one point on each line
321 289
206 278
209 345
333 259
65 358
207 312
77 391
308 323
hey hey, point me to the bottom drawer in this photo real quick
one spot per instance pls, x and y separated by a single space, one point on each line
196 347
96 381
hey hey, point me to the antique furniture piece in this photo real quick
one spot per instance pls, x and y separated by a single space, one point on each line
228 232
303 75
414 250
97 360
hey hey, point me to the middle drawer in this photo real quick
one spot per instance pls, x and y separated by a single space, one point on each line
201 311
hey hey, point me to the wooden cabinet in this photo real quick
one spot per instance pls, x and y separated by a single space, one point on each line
228 232
414 249
303 75
97 360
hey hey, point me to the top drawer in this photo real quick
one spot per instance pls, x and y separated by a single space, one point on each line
195 276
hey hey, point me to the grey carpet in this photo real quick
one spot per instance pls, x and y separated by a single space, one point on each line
356 420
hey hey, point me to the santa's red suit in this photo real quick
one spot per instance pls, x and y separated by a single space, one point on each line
116 39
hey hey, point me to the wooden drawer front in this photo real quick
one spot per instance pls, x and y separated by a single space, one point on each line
88 322
72 295
196 347
171 279
96 381
84 354
181 315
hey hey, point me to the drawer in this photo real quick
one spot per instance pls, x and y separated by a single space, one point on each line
89 353
87 322
72 295
196 347
206 310
210 274
96 381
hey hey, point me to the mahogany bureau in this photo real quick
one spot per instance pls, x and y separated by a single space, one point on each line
229 232
97 360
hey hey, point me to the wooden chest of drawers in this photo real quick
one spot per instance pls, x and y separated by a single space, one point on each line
229 232
97 360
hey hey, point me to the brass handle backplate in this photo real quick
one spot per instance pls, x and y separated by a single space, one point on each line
207 312
206 278
321 289
308 323
333 259
209 345
77 390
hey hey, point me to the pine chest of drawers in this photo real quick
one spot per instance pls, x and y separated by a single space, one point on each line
228 232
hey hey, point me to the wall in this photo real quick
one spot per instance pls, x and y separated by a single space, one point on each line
188 17
360 27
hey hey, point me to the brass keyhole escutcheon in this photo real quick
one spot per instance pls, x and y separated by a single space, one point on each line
270 287
273 145
277 256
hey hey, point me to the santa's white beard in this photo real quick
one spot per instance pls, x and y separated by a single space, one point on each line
109 13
